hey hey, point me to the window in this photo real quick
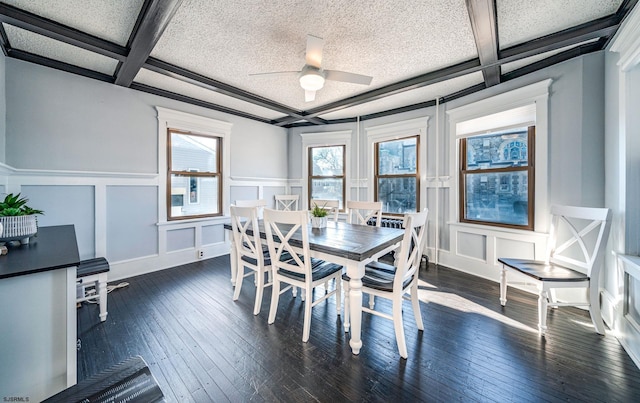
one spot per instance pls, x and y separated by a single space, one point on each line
194 179
326 173
396 175
497 178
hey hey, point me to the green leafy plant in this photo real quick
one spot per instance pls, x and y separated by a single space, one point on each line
14 205
319 211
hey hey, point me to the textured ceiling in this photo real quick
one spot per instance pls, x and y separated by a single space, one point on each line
233 39
110 20
522 21
204 52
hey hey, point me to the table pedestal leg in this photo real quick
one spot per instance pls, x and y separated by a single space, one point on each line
355 307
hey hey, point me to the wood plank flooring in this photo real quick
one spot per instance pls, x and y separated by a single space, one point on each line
202 346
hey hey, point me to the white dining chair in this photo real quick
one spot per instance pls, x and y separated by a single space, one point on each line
250 252
251 203
361 212
287 202
332 205
574 258
259 203
293 265
393 282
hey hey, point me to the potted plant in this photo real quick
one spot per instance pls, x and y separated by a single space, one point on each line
17 219
318 217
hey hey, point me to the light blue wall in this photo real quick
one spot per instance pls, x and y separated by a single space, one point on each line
576 135
56 121
593 131
576 127
576 130
131 226
66 205
60 121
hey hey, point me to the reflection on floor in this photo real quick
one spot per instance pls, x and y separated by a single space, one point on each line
202 346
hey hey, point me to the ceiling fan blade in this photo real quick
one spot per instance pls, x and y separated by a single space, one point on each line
314 51
309 96
346 77
276 73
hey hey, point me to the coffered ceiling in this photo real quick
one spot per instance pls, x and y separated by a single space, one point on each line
208 52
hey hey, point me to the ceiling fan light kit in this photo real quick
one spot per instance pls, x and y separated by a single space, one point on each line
311 78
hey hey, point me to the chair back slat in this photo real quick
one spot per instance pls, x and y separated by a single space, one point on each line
410 255
244 219
287 202
280 226
360 212
251 203
584 232
258 203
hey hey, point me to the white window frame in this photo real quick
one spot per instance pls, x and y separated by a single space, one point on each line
171 119
524 106
395 131
326 139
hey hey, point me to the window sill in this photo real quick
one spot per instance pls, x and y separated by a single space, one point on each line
482 229
191 221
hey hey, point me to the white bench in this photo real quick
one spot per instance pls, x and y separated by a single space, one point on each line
93 273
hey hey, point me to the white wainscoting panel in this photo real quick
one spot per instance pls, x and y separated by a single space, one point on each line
475 249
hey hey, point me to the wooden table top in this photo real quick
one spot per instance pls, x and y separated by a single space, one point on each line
350 241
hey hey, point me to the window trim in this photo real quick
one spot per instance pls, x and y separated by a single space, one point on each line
530 169
395 131
190 173
311 177
329 139
416 175
524 106
168 118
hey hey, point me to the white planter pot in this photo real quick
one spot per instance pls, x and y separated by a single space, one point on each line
318 222
18 228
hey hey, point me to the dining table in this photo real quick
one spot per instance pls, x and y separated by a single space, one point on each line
351 245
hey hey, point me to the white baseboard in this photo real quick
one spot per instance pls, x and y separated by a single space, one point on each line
148 264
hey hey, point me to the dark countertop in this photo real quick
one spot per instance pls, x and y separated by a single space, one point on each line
52 248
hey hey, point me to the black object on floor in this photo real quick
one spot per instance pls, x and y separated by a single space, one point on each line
130 381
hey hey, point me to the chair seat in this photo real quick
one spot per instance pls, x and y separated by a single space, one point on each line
92 266
379 276
265 253
544 272
319 270
267 258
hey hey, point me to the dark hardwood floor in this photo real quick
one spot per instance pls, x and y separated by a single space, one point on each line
202 346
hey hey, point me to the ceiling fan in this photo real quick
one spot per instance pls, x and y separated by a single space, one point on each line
312 75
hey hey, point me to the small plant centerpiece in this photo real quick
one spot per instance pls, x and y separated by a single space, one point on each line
17 220
318 217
